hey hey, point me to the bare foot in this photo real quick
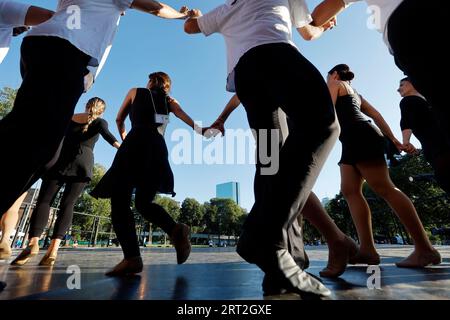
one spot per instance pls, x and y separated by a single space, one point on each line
127 267
420 259
338 256
371 259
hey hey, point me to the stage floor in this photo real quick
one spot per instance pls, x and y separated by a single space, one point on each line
210 274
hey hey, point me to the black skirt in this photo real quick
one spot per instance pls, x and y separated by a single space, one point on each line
141 162
76 165
363 142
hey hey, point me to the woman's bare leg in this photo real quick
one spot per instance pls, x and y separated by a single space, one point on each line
377 176
8 223
340 247
351 187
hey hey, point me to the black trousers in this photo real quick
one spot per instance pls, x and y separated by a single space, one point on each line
268 78
421 54
47 195
53 81
123 218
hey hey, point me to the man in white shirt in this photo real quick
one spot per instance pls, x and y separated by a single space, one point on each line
415 31
15 15
267 72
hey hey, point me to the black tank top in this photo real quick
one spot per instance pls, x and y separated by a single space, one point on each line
348 110
142 112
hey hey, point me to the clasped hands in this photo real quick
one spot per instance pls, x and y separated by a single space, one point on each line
190 13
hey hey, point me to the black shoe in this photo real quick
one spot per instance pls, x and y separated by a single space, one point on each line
274 287
2 285
281 266
271 287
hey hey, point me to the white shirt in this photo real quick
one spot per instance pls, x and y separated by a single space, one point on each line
12 14
250 23
381 11
90 25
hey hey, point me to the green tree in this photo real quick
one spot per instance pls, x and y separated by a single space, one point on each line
210 218
83 224
192 214
170 205
224 216
338 210
7 97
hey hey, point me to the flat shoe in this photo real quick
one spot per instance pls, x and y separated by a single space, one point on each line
126 267
27 254
48 261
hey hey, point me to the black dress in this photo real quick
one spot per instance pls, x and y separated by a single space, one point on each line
142 159
361 141
76 160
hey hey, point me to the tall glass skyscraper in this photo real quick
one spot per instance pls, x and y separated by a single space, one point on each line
229 190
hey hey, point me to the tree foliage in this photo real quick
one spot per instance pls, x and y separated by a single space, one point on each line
7 97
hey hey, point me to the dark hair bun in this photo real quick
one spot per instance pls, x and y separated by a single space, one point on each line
346 75
343 71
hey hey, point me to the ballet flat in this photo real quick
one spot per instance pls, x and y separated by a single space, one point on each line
26 255
48 260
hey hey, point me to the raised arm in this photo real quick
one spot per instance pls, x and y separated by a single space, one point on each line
175 108
326 10
159 9
123 113
373 113
312 32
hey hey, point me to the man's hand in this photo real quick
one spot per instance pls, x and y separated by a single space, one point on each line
330 24
409 148
194 13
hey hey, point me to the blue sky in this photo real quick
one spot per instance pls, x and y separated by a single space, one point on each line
197 66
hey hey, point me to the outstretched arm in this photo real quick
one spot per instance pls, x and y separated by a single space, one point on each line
229 108
326 10
159 9
175 108
311 32
373 113
123 113
107 135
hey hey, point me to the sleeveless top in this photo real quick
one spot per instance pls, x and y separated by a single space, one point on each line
348 110
145 105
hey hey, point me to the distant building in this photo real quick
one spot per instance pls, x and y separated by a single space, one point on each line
229 190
